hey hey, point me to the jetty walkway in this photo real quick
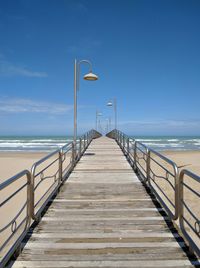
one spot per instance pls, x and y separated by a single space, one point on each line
103 216
104 202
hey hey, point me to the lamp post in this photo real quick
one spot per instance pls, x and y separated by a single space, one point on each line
97 114
108 124
90 77
113 103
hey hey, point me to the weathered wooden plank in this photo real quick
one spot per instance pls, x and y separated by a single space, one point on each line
130 235
120 219
102 263
46 246
62 256
101 200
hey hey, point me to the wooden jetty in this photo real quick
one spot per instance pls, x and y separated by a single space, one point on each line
103 216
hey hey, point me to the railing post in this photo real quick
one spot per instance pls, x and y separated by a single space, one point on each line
127 147
123 141
135 155
180 200
80 147
148 163
30 204
32 194
73 154
84 141
60 167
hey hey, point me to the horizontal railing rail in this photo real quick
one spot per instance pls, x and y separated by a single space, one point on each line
31 195
161 176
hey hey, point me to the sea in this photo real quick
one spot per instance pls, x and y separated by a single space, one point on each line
51 143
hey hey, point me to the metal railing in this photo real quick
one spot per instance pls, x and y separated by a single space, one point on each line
189 211
28 197
161 176
15 220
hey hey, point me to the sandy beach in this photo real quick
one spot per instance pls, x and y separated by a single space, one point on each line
14 162
185 159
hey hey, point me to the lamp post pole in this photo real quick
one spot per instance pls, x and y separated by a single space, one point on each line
97 115
113 103
109 123
96 119
115 109
90 77
75 102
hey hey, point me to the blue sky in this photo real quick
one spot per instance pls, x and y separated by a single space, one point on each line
146 53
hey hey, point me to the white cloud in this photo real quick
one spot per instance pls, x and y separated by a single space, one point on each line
162 126
159 123
8 106
10 69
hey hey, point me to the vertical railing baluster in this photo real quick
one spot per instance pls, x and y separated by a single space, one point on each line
135 155
60 167
84 141
148 165
73 154
128 147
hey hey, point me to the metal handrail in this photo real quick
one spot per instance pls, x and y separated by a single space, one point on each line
40 176
19 224
35 178
144 151
175 210
170 206
191 231
145 154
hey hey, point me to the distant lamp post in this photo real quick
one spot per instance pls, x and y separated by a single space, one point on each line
90 77
97 115
113 104
108 127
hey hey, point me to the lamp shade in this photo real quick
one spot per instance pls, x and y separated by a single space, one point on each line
91 77
109 103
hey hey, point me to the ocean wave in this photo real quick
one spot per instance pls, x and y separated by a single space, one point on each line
47 144
148 140
35 141
29 144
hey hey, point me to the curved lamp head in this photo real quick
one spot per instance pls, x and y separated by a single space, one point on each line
90 77
109 103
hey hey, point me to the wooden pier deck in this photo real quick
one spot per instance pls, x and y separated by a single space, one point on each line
103 217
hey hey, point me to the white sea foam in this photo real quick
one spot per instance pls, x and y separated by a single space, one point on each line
33 144
148 140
